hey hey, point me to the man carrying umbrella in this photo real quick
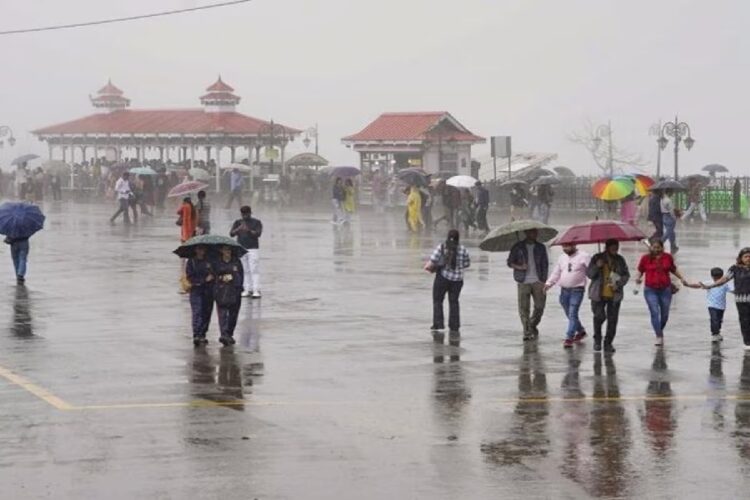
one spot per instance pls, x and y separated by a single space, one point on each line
530 264
124 193
570 274
247 230
483 203
608 273
18 222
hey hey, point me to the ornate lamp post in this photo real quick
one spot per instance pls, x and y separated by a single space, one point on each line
679 131
602 132
7 131
311 132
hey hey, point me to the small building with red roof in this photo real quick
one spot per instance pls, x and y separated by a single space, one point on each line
434 141
167 134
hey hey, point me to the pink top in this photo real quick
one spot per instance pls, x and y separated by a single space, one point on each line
570 271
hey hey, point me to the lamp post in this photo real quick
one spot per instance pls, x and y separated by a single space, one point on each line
678 131
655 131
7 131
600 133
311 132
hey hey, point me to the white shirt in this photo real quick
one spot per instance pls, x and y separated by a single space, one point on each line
122 188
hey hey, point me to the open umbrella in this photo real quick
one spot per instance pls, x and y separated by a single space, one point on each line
462 181
668 184
20 219
24 158
306 160
564 171
609 189
502 239
547 180
186 188
143 171
715 168
199 174
343 171
56 167
413 177
642 182
211 240
239 166
599 231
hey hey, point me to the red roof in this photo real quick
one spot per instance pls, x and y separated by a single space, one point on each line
220 86
175 121
110 89
412 127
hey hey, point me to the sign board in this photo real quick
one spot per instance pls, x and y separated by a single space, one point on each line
500 146
415 162
271 153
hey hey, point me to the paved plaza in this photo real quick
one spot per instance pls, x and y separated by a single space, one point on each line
335 388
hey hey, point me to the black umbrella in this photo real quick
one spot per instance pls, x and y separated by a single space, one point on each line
413 177
564 171
547 180
668 184
514 182
715 168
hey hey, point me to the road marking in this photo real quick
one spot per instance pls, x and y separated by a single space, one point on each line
34 389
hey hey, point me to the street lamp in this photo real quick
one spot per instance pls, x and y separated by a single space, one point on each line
6 131
311 132
600 133
678 131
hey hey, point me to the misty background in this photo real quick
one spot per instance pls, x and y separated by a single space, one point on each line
536 70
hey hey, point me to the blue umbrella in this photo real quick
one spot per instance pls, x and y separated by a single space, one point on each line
20 220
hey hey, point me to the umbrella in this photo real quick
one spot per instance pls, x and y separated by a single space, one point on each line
143 171
698 179
715 168
642 182
199 174
501 239
413 176
668 184
24 158
20 220
514 182
239 166
212 240
343 171
186 188
609 189
564 171
599 231
546 180
307 160
462 181
56 167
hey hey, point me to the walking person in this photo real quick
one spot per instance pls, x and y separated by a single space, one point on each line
669 221
248 231
695 201
349 204
716 300
55 186
483 204
570 273
608 272
162 187
414 210
19 252
229 283
200 275
517 201
448 262
186 219
629 210
657 266
740 273
203 213
338 196
124 193
654 214
530 264
236 185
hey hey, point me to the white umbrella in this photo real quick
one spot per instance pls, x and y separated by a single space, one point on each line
199 174
462 181
239 166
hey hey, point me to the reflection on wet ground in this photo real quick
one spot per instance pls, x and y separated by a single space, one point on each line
335 387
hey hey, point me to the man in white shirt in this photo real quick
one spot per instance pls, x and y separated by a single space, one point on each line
570 274
124 192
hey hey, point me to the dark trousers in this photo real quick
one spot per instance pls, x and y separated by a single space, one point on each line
56 192
658 228
743 310
605 311
201 305
228 318
124 209
482 219
235 195
717 318
440 287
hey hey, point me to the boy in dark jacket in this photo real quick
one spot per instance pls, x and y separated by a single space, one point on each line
530 264
608 273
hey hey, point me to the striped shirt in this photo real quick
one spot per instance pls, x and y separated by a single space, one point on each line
462 262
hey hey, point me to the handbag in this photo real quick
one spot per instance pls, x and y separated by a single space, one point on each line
179 220
225 295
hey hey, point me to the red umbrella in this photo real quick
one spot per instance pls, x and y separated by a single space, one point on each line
599 231
186 188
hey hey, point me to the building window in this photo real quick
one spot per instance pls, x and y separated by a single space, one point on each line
449 162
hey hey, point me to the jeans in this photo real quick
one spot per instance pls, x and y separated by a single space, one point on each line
659 301
669 223
605 311
251 266
527 291
228 318
717 318
338 212
570 300
440 287
482 219
201 306
743 311
658 228
19 252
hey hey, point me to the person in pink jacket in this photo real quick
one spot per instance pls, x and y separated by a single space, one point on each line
570 274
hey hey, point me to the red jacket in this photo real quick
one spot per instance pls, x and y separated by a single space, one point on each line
657 270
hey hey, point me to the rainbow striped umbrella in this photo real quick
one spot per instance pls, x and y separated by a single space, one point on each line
642 183
612 189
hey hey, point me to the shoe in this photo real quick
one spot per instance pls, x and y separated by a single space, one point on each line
716 338
437 328
256 295
20 280
232 341
597 346
659 341
535 332
224 340
609 348
245 294
204 340
528 337
579 337
568 343
197 341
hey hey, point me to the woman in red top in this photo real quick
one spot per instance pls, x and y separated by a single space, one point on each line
656 266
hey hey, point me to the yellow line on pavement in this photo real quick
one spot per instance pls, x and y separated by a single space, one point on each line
34 389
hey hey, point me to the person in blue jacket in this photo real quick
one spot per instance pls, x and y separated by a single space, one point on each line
227 292
200 275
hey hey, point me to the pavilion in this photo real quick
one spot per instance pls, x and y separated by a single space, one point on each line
117 131
434 141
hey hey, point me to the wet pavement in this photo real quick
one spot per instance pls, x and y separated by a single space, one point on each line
335 389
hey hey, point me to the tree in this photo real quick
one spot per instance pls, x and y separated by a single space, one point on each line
596 139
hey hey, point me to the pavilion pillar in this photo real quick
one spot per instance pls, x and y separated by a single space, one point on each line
49 149
208 153
192 155
283 162
65 154
218 169
232 151
83 154
161 153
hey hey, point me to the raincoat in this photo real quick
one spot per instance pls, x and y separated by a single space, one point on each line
414 210
187 214
348 205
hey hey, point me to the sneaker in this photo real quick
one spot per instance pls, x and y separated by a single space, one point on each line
436 328
245 294
20 280
232 341
224 340
716 338
568 343
659 341
579 336
256 295
197 341
597 346
609 348
528 337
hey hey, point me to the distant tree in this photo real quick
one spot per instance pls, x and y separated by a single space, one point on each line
598 146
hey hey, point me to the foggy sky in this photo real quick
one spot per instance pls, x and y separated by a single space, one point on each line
531 69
